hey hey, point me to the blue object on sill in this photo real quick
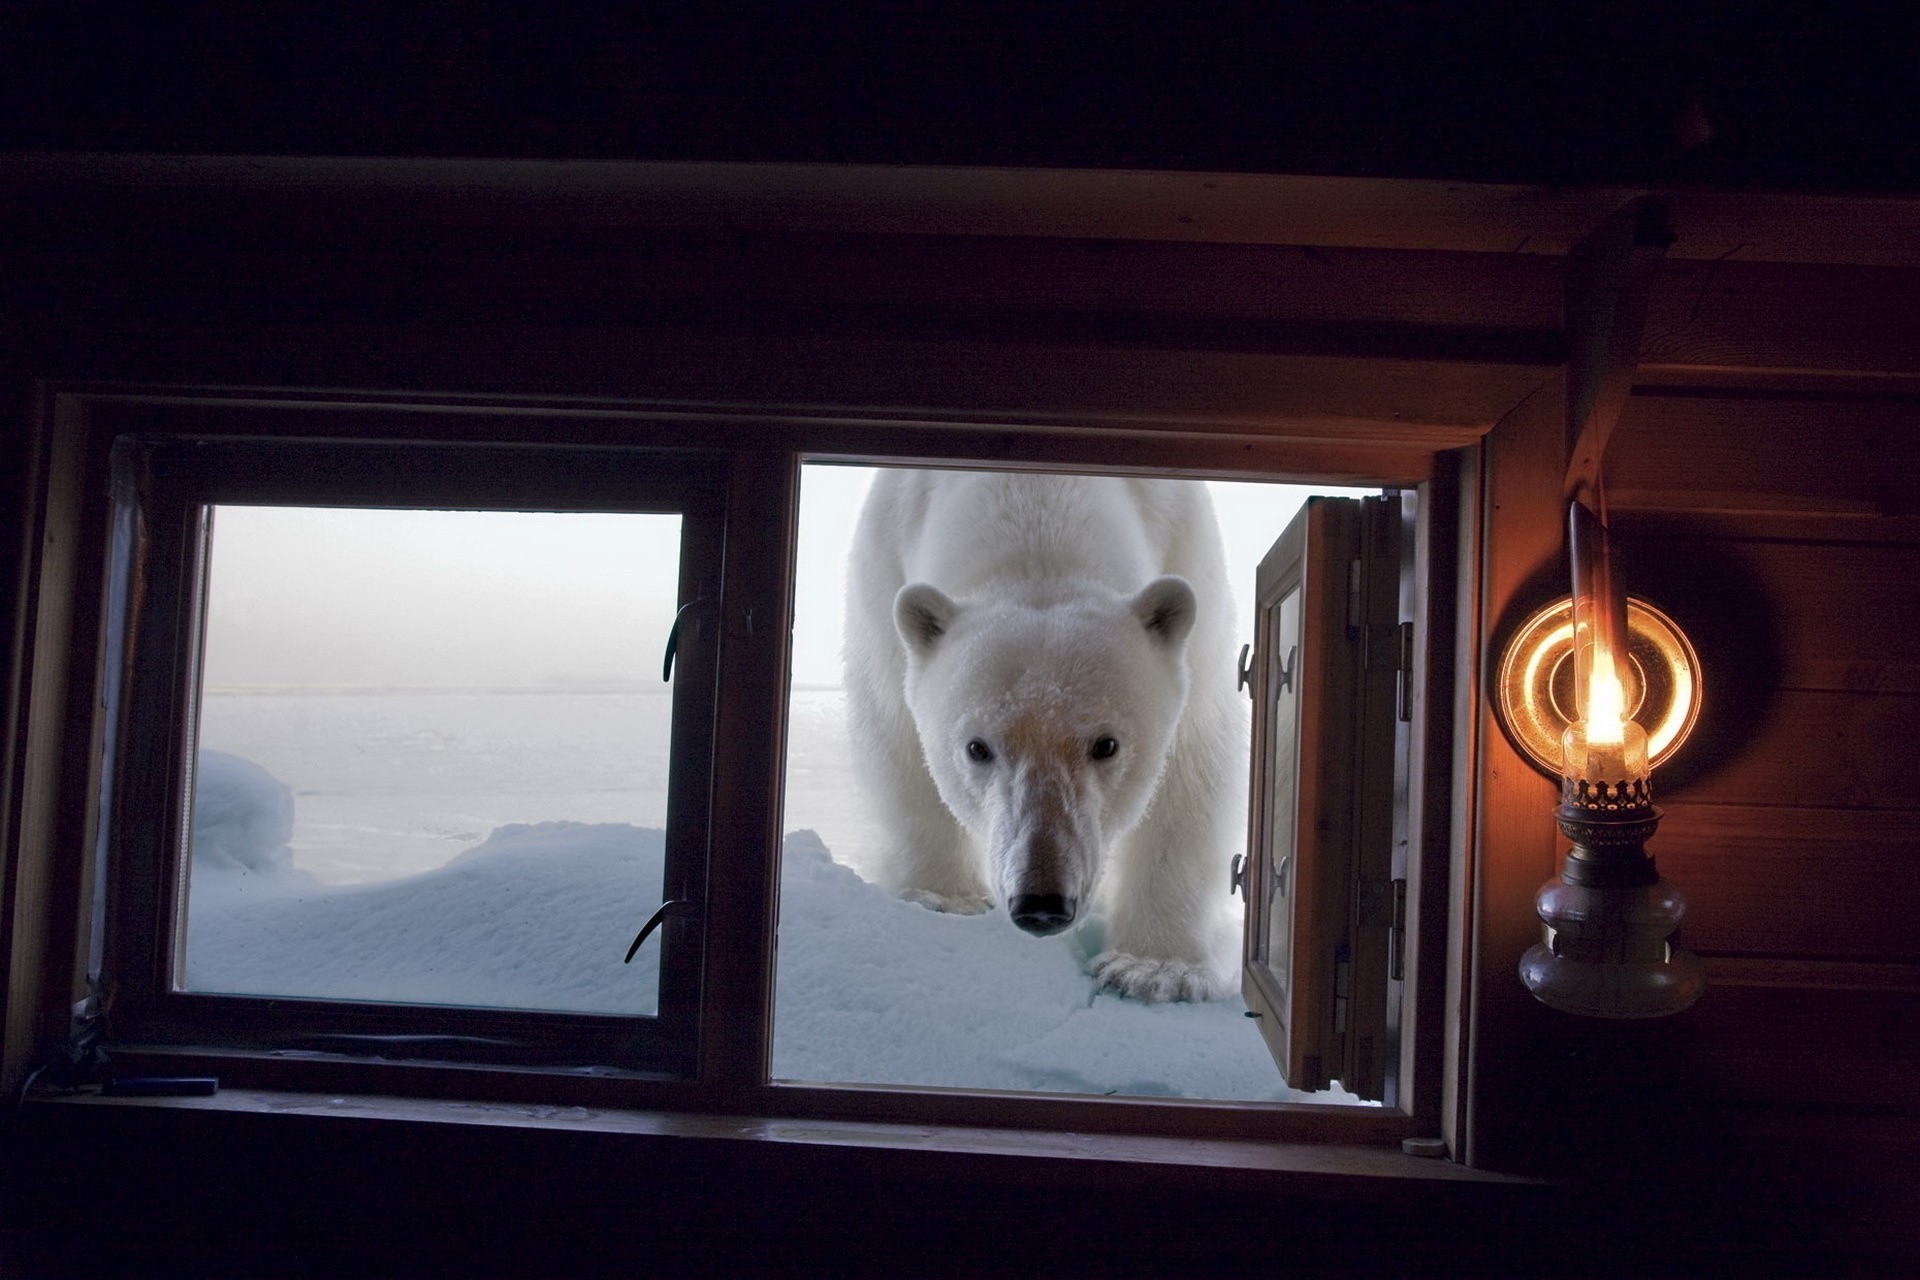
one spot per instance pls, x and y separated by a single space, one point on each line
160 1086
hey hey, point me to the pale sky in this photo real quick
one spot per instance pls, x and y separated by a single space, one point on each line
356 597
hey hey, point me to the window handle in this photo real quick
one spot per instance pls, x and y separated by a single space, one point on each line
673 637
671 907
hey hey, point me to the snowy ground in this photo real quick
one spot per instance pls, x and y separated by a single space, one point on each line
869 988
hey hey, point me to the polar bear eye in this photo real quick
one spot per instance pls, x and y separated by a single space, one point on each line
1105 748
979 752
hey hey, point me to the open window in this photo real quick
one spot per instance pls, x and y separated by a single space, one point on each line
872 990
302 620
1326 870
694 1021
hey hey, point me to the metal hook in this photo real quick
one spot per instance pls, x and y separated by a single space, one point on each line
673 638
673 907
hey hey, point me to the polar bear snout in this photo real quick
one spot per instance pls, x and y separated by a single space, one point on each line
1042 914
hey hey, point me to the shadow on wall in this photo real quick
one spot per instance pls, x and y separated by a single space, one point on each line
1724 610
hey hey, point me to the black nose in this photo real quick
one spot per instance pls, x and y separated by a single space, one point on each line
1041 913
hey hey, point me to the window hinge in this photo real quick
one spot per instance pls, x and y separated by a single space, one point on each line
1342 989
1355 577
1406 671
1383 905
1397 938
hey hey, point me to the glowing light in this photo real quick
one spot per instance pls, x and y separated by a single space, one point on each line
1606 700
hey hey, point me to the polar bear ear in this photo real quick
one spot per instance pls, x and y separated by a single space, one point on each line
922 613
1167 608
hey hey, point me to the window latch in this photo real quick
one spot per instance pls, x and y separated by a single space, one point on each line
671 907
673 637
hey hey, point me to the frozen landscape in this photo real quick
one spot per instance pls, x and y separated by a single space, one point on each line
500 845
538 915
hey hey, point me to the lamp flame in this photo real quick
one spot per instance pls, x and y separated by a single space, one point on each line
1606 700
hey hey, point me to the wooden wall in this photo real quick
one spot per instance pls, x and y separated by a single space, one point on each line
1767 492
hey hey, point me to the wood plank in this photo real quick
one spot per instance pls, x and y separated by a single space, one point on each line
1798 747
1697 525
998 383
1767 455
1842 617
1312 297
1784 316
1793 882
1728 226
1822 975
1804 1048
341 197
540 196
1508 805
1841 383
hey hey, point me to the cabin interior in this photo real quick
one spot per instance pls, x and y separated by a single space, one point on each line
1337 316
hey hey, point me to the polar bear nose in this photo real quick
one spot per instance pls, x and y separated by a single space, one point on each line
1041 914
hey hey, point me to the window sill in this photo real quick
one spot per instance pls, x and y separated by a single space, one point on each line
986 1153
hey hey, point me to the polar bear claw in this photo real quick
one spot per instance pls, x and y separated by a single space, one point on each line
1145 978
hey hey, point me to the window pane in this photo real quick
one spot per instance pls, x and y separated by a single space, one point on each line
1283 784
432 760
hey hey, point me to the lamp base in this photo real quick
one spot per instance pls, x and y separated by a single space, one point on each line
1606 953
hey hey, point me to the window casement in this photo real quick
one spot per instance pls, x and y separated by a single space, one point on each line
164 554
1326 876
159 463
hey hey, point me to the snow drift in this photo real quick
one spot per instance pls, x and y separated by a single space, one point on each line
870 988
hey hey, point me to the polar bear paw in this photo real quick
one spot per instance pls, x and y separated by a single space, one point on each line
961 904
1155 980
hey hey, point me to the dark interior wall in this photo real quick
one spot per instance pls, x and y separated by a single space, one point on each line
1700 91
1771 504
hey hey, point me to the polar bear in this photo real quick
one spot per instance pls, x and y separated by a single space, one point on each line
1043 711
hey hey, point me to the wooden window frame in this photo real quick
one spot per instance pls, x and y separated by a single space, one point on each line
761 455
150 687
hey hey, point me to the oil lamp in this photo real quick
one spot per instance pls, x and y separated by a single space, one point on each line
1608 913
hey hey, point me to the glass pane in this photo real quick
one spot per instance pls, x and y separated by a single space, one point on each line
1283 783
432 759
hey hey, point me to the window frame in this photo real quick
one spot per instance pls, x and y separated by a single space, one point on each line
164 487
761 453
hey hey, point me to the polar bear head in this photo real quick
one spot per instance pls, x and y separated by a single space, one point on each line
1046 725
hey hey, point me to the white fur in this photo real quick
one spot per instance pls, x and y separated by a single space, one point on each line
1038 614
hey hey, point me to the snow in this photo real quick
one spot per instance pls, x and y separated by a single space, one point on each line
870 988
533 917
242 815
